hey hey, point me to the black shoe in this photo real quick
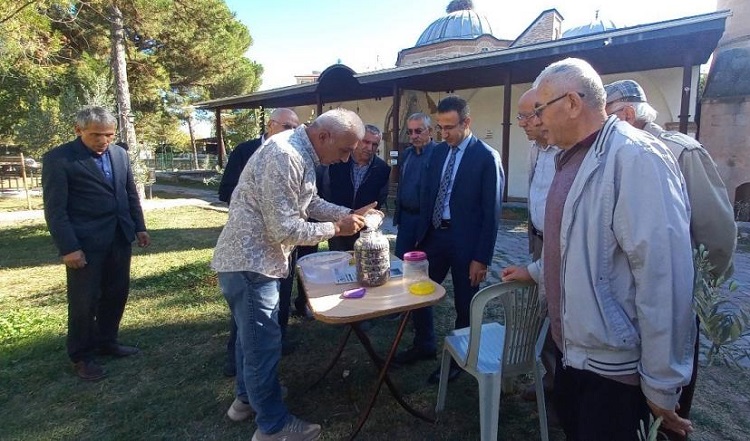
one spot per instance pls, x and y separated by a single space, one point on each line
413 355
453 373
89 371
116 350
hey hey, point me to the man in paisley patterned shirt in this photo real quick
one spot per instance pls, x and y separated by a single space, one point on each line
274 198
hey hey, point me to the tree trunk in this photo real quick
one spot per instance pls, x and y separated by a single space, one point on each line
192 140
122 88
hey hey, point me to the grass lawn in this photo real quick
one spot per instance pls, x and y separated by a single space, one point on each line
174 388
17 203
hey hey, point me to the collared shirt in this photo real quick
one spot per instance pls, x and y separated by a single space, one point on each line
268 215
459 154
104 162
544 171
411 176
359 172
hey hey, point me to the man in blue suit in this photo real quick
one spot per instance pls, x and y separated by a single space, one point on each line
460 205
94 214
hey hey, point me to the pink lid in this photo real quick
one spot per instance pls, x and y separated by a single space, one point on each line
413 256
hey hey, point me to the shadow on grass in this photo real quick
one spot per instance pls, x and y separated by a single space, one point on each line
181 282
174 388
32 245
175 382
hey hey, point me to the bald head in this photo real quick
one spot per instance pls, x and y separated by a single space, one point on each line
281 119
526 118
335 134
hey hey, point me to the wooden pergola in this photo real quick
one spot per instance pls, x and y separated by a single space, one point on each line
684 42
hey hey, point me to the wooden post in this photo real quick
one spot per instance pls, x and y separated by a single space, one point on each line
505 151
395 171
687 79
219 140
25 186
318 105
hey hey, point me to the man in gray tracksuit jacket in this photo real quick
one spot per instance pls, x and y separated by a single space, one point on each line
617 232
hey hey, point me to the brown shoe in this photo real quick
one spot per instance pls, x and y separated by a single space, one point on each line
116 350
89 371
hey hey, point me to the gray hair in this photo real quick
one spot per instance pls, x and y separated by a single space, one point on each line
419 116
339 121
644 113
575 75
370 128
95 115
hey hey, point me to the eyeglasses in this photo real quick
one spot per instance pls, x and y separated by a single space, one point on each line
286 126
538 110
448 128
418 131
522 117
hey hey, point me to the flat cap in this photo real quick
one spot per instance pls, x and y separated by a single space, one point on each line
625 91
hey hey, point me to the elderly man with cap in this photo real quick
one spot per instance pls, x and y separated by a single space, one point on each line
712 217
617 264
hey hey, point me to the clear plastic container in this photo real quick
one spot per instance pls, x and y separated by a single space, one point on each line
416 267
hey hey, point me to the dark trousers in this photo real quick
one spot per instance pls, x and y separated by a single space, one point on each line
594 408
406 240
97 294
342 243
444 254
285 289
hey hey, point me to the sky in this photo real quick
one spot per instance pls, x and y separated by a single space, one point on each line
296 37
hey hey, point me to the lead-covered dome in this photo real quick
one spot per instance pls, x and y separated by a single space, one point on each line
461 23
597 25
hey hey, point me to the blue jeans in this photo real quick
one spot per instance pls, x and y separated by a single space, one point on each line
254 301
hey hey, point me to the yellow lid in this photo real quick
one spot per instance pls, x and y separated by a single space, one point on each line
421 288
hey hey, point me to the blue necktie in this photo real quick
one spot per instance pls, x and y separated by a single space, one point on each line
445 184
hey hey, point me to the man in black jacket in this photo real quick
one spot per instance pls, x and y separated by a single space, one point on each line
93 212
358 182
281 119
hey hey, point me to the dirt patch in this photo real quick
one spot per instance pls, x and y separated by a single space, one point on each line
721 409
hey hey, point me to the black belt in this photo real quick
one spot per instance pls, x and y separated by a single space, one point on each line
410 210
444 224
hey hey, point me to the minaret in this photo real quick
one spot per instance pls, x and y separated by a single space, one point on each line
725 106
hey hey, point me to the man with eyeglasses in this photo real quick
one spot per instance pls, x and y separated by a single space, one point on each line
281 119
460 205
711 218
541 171
413 163
617 264
360 181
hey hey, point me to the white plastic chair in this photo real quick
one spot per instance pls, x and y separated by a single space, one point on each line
492 352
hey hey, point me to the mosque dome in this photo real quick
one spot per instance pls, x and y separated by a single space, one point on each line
461 23
597 25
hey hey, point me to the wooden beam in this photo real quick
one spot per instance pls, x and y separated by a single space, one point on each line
395 171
